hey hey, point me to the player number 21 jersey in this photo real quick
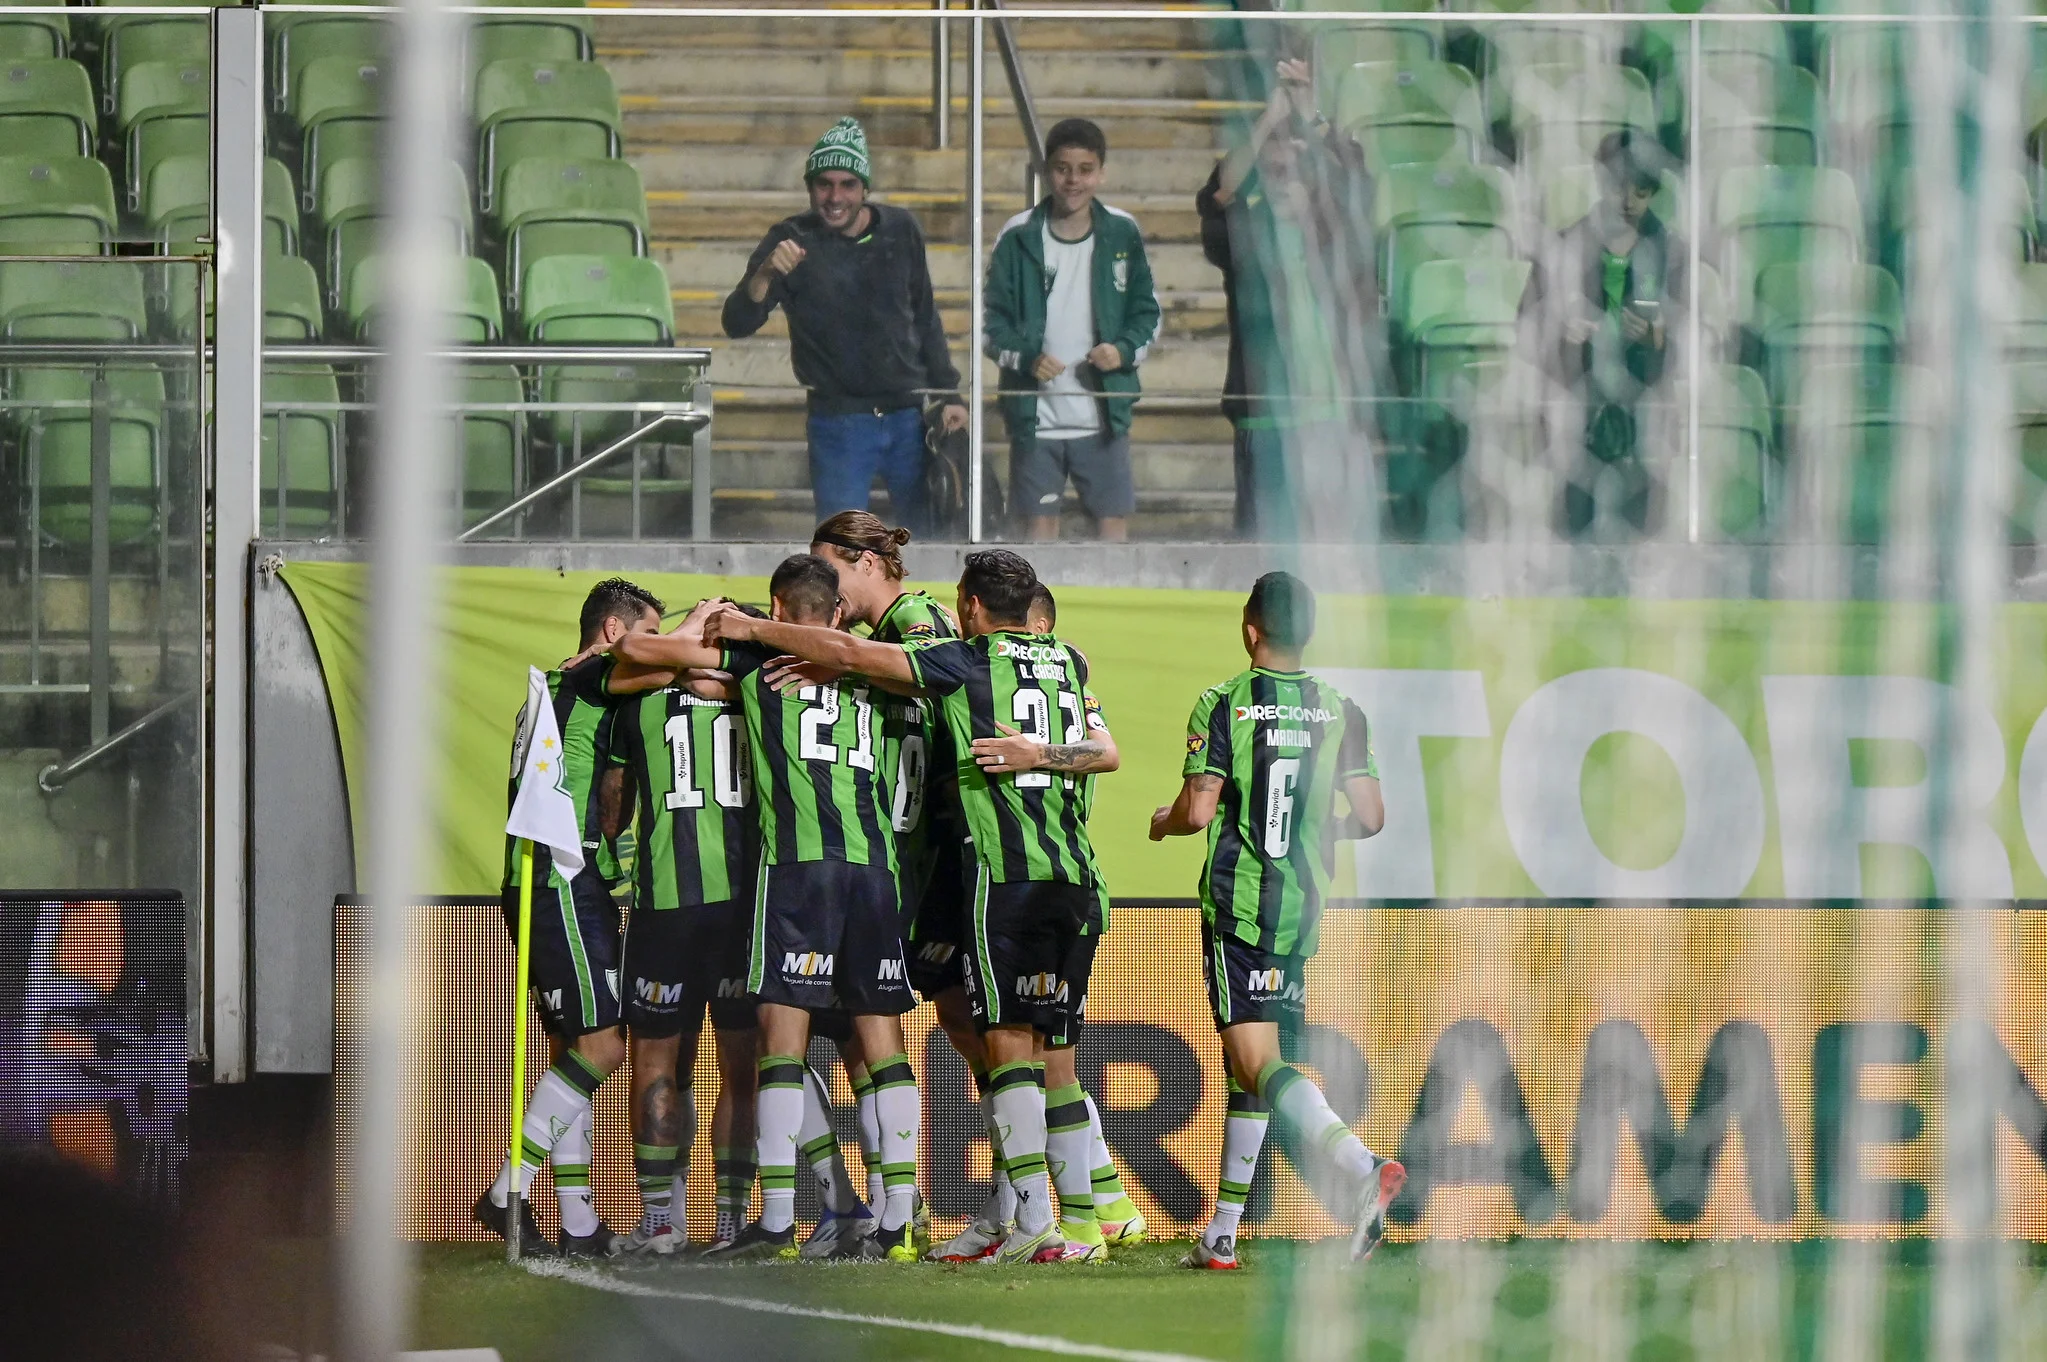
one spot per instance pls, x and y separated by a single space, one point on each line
1282 743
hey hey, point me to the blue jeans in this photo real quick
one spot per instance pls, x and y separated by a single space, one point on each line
846 452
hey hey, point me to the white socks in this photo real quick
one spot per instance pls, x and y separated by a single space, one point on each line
820 1146
779 1118
1287 1091
559 1099
1018 1092
572 1175
899 1122
1243 1136
1001 1207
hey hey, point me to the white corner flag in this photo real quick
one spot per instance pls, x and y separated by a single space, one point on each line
542 812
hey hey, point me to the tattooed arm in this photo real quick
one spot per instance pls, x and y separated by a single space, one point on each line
1017 752
1192 811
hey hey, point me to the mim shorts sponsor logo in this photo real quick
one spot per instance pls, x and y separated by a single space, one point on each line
656 993
551 999
808 964
732 988
891 971
1048 987
1272 983
1296 714
936 952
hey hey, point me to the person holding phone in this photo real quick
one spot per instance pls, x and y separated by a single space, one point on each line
1609 285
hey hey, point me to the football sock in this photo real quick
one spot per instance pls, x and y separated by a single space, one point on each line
870 1133
1288 1091
678 1194
572 1175
1243 1136
820 1146
899 1120
654 1170
778 1117
1018 1089
563 1092
1001 1207
1111 1201
735 1191
1067 1150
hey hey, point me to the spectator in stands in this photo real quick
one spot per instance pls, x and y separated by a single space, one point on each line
864 334
1607 290
1286 217
1071 314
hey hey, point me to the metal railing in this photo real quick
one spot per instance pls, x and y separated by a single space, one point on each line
1026 107
58 774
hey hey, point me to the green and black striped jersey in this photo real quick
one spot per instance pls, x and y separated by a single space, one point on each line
1282 742
926 789
697 841
587 713
823 764
1027 825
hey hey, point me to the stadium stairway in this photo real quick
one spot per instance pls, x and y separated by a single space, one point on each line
720 114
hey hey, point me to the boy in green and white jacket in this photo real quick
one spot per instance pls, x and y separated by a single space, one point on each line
1070 315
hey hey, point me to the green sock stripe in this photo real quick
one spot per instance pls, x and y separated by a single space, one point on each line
821 1148
778 1178
656 1152
585 1076
778 1071
1275 1078
1060 1096
898 1174
572 1175
1337 1133
1070 1116
863 1083
981 1088
531 1154
1013 1075
1248 1105
1025 1165
1234 1193
893 1072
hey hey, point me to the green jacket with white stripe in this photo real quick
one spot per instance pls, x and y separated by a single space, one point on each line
1126 313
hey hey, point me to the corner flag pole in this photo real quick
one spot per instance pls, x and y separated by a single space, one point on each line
519 1009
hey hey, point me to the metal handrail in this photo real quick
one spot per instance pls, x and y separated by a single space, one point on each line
1026 108
58 774
689 420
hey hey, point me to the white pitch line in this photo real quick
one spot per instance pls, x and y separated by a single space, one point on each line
1004 1338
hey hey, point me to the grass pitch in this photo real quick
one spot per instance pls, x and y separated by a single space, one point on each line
1515 1300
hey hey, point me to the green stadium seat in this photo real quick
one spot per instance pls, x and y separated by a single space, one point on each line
57 420
1774 122
524 108
536 38
1459 321
493 442
1740 482
1767 215
32 36
337 103
1446 212
1899 238
56 205
1862 452
351 212
600 299
1411 115
1571 108
1339 47
477 317
1823 312
291 303
128 40
71 301
1745 56
46 108
1511 48
162 110
568 207
348 37
177 204
306 445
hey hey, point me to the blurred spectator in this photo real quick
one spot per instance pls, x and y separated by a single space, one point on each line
864 333
1071 314
1607 292
1286 217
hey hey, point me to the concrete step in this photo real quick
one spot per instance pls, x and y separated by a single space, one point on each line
1190 368
138 666
1130 124
910 33
1161 468
747 214
1188 316
851 72
749 419
1175 266
1160 170
789 515
67 605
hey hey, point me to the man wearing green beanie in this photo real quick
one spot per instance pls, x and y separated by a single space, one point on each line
864 334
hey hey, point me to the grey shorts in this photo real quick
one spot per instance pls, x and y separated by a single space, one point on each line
1098 464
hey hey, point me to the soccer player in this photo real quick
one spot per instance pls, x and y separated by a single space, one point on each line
575 933
685 947
1266 751
826 926
1039 898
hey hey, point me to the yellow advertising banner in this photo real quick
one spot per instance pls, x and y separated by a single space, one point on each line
1753 1069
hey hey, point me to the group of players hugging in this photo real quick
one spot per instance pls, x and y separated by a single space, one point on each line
824 822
